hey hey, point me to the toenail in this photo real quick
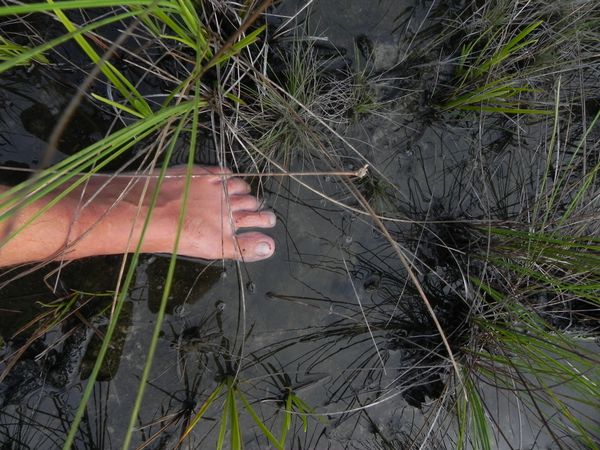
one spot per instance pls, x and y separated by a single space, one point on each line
271 217
263 249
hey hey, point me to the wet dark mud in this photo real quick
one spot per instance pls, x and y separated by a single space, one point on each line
32 102
301 314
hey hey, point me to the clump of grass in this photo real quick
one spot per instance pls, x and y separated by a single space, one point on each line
528 357
228 399
483 84
531 275
539 291
297 113
510 51
230 416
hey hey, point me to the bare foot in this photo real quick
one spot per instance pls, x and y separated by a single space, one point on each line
111 222
218 205
217 208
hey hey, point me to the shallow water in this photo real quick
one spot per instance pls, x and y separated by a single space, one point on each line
303 306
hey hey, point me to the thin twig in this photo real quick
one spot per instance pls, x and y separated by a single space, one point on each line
360 173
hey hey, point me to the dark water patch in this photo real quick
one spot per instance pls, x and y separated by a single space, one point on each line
34 101
192 281
110 365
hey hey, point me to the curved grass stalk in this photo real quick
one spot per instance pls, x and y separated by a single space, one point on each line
171 270
371 213
418 286
127 90
120 299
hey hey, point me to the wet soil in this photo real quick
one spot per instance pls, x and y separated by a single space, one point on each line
299 313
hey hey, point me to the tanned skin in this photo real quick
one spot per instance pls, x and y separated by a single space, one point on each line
97 219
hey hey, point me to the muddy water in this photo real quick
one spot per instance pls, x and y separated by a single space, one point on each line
299 313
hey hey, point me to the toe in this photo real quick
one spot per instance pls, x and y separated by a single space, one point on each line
259 219
243 203
255 246
237 186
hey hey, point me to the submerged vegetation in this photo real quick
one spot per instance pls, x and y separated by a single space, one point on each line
414 306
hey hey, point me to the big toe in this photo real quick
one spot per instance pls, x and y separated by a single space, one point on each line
255 246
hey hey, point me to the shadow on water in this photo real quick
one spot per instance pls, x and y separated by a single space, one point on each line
32 103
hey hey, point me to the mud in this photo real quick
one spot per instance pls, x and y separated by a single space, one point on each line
301 316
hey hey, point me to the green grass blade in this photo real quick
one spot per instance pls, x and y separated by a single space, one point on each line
589 178
178 39
172 264
10 50
510 48
287 418
500 109
117 105
164 300
127 90
224 417
302 406
235 434
188 13
35 52
207 403
114 318
278 444
237 47
78 4
478 416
